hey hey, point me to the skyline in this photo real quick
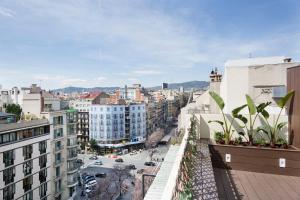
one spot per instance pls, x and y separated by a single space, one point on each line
104 43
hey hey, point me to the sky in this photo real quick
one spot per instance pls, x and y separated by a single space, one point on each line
98 43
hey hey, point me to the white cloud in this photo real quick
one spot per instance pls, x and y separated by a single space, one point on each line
146 72
7 12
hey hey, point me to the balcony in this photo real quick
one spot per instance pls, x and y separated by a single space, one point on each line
72 182
59 148
58 161
72 157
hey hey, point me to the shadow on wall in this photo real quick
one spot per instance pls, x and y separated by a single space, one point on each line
205 129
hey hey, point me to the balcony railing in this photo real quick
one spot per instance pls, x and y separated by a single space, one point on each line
59 161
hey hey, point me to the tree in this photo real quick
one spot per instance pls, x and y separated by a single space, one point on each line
121 174
14 109
93 144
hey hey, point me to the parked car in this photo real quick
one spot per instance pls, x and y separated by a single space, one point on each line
149 163
119 160
120 153
91 183
89 179
93 158
98 162
100 175
114 156
79 161
130 166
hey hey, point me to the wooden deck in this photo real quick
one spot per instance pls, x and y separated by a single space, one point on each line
234 184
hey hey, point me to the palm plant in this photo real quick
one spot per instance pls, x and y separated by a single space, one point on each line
272 131
254 112
225 124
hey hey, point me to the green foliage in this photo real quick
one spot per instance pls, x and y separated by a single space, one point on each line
273 130
217 99
219 136
14 109
238 140
261 142
251 105
93 144
254 112
187 194
282 102
281 141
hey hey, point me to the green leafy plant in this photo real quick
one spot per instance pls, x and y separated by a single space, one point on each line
219 137
225 124
272 131
261 142
254 112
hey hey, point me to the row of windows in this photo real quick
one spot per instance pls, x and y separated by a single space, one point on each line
9 156
23 134
116 108
107 116
9 191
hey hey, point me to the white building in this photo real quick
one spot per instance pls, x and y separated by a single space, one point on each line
25 170
116 124
264 79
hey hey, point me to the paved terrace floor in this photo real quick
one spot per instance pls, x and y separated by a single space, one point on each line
234 184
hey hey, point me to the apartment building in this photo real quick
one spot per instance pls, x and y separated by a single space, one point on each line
63 152
118 126
263 78
83 104
5 99
25 167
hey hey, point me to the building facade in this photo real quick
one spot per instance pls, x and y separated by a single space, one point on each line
25 170
118 125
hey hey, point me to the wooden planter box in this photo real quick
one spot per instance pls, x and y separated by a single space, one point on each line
256 159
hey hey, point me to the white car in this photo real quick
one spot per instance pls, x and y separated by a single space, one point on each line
91 183
98 162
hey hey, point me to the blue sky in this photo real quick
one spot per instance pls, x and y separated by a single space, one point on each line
59 43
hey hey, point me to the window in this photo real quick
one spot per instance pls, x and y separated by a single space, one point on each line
57 171
121 116
8 158
43 176
8 137
8 192
43 161
27 183
8 175
115 116
139 108
58 186
58 158
43 190
107 116
27 152
58 120
121 109
58 133
107 109
58 146
115 108
43 146
28 196
27 168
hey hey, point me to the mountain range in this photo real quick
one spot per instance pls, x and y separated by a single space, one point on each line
186 85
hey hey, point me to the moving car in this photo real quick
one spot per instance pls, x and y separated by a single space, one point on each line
98 162
149 163
119 160
100 175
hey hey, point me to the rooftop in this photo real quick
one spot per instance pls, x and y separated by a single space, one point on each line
256 61
23 125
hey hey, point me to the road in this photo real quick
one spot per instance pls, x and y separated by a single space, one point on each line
108 163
